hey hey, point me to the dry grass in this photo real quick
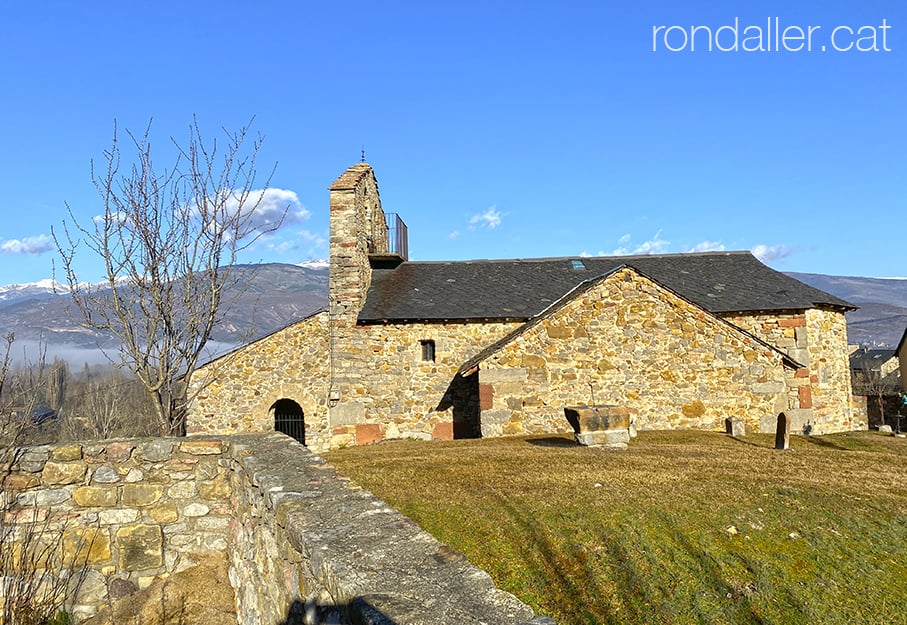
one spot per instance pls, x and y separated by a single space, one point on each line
684 527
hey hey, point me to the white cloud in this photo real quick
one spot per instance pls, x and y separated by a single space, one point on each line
490 219
454 234
655 245
271 206
770 253
707 246
29 245
115 216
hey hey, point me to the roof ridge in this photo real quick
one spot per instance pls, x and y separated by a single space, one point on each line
579 257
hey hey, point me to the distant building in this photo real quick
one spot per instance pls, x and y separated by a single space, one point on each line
500 347
876 382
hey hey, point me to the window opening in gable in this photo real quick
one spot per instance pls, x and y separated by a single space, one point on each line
428 350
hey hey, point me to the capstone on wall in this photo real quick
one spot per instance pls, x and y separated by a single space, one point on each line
629 342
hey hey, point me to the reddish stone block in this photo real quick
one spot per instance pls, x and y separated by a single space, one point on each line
443 431
119 452
368 433
486 396
806 396
796 322
802 373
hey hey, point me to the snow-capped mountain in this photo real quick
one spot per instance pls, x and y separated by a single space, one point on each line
271 297
315 264
30 289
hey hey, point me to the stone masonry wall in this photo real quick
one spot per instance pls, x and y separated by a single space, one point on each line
302 540
311 539
629 342
392 393
817 339
127 510
384 389
235 393
828 353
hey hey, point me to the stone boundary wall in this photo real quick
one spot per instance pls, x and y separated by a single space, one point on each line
303 541
125 511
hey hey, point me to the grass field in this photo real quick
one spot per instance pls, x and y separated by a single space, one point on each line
684 527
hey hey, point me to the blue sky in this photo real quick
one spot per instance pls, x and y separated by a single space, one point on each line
496 129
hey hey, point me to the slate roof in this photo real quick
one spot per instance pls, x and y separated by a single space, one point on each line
520 289
870 359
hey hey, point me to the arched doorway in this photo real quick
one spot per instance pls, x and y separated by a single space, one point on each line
289 419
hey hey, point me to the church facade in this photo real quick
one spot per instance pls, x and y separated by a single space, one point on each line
443 350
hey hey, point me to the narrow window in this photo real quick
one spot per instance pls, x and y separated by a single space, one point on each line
428 350
578 265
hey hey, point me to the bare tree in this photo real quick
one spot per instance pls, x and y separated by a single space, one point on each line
168 239
24 389
875 375
106 404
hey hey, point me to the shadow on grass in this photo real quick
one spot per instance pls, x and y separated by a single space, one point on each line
565 573
623 582
751 443
552 441
733 601
821 441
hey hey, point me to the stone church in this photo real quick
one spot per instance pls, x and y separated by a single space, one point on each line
443 350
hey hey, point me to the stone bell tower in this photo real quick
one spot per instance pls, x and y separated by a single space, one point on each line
358 229
362 238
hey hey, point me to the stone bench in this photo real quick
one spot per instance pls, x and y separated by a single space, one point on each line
600 426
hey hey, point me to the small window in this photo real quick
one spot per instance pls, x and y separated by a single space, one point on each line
428 350
578 265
